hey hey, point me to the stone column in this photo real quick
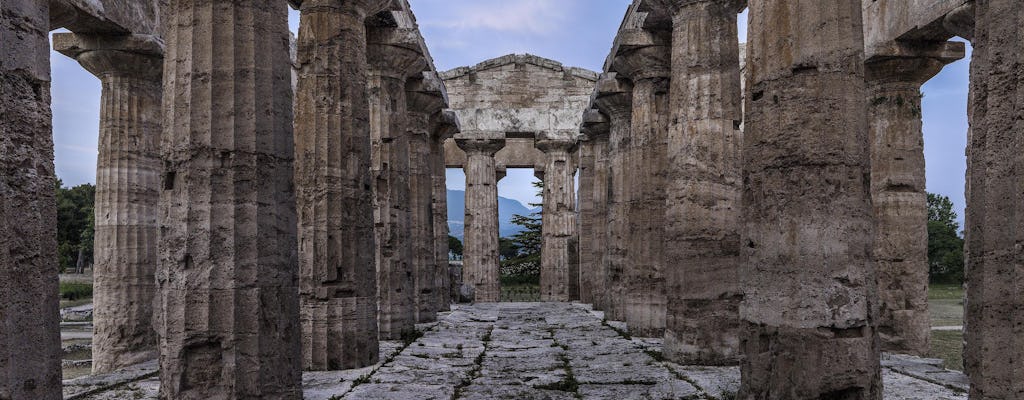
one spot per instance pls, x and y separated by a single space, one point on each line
391 64
127 193
995 293
593 209
425 96
615 99
480 245
227 276
332 178
443 126
30 349
809 280
558 220
704 186
647 65
899 198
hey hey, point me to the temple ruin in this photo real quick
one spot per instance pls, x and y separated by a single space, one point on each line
749 219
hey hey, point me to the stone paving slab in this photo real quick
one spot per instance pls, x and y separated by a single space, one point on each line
540 351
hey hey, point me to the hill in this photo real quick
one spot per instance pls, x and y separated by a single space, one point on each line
506 209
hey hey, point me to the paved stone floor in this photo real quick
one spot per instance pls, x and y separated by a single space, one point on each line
524 351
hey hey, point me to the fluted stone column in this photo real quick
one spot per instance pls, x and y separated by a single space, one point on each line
593 209
333 181
390 65
809 280
127 192
645 165
425 97
899 198
558 219
443 126
30 349
228 315
480 247
995 293
704 186
615 99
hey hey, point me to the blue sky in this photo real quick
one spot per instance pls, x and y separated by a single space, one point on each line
465 32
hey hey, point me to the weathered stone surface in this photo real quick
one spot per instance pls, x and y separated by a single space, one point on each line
444 125
559 221
127 192
703 186
480 249
614 97
809 280
593 208
995 296
333 182
227 273
29 327
898 192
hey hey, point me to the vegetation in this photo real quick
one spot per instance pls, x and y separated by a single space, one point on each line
520 263
75 290
75 226
945 245
948 346
454 246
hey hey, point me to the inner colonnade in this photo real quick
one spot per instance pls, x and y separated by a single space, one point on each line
275 205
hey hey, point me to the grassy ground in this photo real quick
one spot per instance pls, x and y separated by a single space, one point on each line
946 306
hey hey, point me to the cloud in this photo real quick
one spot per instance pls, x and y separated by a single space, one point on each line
537 17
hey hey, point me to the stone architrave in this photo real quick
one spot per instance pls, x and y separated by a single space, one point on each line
392 61
614 97
338 282
898 191
995 293
703 185
480 250
30 349
127 192
809 279
559 219
228 319
593 209
646 63
425 96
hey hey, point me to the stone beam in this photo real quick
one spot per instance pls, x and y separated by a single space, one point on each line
889 21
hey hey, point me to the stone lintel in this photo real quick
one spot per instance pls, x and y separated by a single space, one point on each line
915 62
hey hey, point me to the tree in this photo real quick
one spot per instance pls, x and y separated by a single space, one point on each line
507 248
454 245
75 225
524 268
945 246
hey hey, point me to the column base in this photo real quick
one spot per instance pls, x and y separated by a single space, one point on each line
339 334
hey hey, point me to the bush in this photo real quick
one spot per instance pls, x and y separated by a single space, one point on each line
75 290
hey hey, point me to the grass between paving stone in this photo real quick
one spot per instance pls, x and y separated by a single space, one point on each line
478 364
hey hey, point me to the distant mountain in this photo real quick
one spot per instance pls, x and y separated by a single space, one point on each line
506 209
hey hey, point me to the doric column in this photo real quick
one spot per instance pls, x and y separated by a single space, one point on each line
332 177
646 64
995 191
426 97
898 195
703 185
558 219
480 245
228 317
615 99
443 126
593 208
392 61
809 280
127 192
29 325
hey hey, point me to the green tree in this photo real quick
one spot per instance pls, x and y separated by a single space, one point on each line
454 245
524 268
507 248
945 246
75 225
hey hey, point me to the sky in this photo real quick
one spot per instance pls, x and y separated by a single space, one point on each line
465 32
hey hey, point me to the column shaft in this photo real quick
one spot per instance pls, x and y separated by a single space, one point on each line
30 348
480 251
810 289
995 220
227 276
421 188
703 187
559 222
439 210
332 177
587 255
598 234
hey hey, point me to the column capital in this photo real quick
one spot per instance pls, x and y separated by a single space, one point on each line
138 56
444 124
358 7
642 54
555 145
614 96
477 144
913 63
595 124
426 93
